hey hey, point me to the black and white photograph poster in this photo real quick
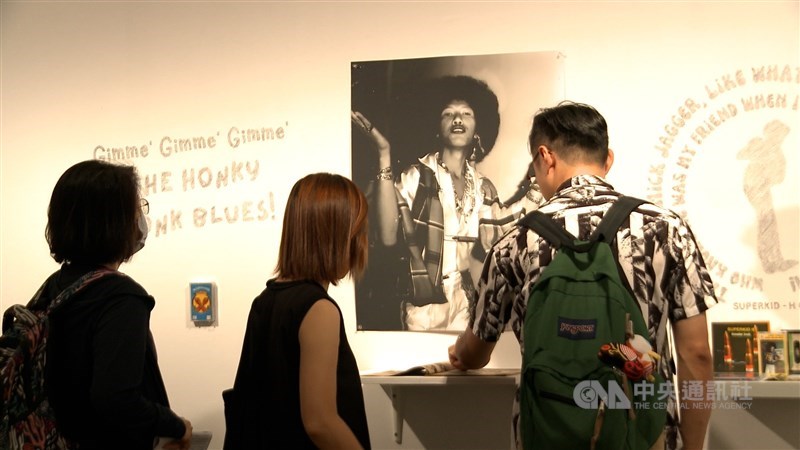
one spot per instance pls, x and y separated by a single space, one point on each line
439 145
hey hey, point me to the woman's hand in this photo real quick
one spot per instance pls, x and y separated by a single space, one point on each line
363 124
185 442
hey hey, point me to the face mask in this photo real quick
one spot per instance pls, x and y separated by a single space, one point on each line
142 223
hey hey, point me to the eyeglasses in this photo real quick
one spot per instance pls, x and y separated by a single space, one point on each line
145 205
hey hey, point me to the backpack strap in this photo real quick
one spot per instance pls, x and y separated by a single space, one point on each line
77 286
548 229
606 231
16 311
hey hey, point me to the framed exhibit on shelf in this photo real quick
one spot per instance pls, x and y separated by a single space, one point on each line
772 354
793 351
734 348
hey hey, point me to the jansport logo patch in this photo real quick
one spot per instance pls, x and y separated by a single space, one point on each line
577 328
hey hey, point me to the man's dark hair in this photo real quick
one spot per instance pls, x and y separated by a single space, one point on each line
93 213
575 131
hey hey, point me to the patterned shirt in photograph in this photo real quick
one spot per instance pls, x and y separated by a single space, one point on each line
445 233
657 253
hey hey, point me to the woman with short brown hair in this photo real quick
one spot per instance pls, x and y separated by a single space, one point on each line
297 385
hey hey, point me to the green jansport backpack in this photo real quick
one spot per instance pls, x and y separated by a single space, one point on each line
571 399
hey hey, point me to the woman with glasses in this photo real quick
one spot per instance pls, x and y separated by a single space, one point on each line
102 375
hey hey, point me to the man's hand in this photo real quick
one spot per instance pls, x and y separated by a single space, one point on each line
469 352
454 359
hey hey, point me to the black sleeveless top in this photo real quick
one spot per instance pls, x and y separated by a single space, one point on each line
263 410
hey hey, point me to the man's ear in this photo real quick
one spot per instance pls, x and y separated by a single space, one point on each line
546 154
609 161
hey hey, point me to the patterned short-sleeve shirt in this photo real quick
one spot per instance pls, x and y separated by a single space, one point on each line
657 253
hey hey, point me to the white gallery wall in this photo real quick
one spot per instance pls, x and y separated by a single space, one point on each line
686 87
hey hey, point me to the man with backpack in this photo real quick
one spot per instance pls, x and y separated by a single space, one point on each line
606 368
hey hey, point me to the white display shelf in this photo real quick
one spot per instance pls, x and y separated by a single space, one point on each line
396 385
388 380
